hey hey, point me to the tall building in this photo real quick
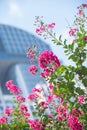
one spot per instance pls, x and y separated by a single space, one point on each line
14 63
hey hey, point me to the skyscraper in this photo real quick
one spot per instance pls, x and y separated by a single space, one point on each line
14 63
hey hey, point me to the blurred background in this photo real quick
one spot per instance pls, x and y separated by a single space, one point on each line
21 14
17 33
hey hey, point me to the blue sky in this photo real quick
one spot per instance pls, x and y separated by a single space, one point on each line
21 13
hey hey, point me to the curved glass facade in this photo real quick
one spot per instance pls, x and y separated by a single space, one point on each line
13 61
16 41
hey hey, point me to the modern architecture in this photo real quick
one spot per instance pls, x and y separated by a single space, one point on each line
14 62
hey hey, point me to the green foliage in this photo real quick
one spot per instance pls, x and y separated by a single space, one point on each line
68 82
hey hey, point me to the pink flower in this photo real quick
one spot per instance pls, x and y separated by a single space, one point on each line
74 110
35 124
9 83
85 38
3 120
32 69
12 88
42 28
30 54
50 86
80 12
38 31
46 72
49 115
84 5
26 114
51 25
9 111
61 100
72 32
49 98
23 109
32 96
44 104
81 99
61 110
74 124
47 58
59 117
77 113
19 98
80 112
36 90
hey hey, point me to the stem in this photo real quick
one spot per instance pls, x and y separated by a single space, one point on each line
52 36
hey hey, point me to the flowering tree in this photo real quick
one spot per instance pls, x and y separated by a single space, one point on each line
65 104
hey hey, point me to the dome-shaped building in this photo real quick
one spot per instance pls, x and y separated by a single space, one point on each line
14 62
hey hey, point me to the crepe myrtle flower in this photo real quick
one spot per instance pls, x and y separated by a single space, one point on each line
32 69
81 99
72 31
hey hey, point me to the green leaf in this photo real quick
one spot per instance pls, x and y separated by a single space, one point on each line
60 69
60 38
84 82
73 57
79 91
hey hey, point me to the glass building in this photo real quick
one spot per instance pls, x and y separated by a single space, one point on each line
14 63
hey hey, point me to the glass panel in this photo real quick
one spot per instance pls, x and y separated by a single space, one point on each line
13 37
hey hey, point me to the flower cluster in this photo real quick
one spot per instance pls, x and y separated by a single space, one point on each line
9 111
48 62
20 112
81 99
35 124
33 69
43 29
72 32
48 59
24 110
62 111
3 120
62 105
20 98
12 87
74 123
35 93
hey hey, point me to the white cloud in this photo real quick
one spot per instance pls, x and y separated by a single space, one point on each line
14 9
